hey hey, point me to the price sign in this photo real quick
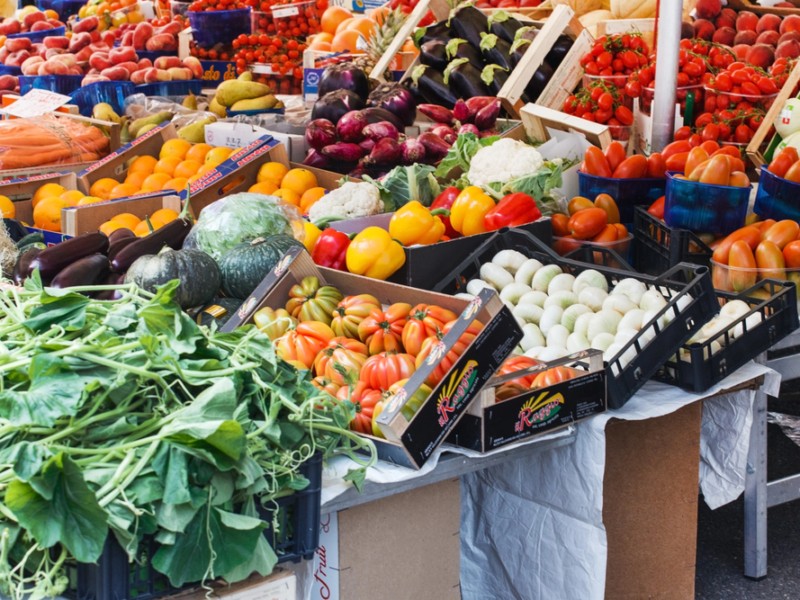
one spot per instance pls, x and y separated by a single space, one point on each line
36 103
233 135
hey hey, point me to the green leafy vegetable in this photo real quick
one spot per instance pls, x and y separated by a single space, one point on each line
538 185
461 152
404 184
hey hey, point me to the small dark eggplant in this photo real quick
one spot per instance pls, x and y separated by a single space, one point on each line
335 105
55 258
85 271
172 234
465 78
396 99
119 234
23 266
118 244
504 25
539 81
496 51
344 76
469 22
558 51
434 54
437 31
461 48
430 86
495 77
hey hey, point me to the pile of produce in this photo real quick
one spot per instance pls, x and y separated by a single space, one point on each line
103 437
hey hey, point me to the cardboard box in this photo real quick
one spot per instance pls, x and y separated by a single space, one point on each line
409 443
420 561
115 164
490 424
21 190
280 585
426 265
650 505
77 220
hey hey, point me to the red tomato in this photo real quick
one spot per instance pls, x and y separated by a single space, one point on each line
609 233
632 167
608 204
554 376
782 232
615 154
793 173
656 165
587 223
678 147
657 208
697 156
782 161
559 222
624 115
749 234
595 163
743 266
770 261
676 162
791 254
717 172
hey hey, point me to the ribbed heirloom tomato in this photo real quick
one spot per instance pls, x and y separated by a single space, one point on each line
424 320
303 343
382 370
349 313
341 360
364 398
383 330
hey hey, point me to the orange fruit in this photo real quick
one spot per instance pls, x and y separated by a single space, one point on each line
320 41
198 152
274 172
263 187
163 216
48 190
136 178
142 229
178 184
364 25
123 190
72 196
346 41
47 213
143 164
175 148
167 165
299 181
110 226
89 200
127 220
7 207
155 182
379 14
187 168
102 187
217 155
333 17
288 196
310 196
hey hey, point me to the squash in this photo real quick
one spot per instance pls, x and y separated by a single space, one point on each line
197 272
219 310
248 263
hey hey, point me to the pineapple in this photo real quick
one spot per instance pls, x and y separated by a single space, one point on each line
377 45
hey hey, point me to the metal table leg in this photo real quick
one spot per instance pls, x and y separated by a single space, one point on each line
755 494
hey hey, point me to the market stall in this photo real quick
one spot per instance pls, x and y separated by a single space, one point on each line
277 274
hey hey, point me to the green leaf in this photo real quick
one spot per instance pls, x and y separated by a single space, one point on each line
233 539
452 66
54 392
147 489
67 311
26 458
162 317
487 74
405 183
488 41
34 282
176 517
171 464
121 318
460 154
71 517
451 48
499 16
357 477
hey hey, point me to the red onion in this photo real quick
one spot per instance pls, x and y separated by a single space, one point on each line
386 152
344 151
381 129
445 132
396 99
367 144
478 102
320 133
436 113
461 111
435 147
375 114
314 158
486 117
351 125
413 151
468 128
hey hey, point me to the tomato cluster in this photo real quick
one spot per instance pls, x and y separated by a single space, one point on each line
207 5
615 163
587 220
742 87
618 54
676 154
602 103
216 52
298 20
484 4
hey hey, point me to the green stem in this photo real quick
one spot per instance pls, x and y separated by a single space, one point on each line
133 474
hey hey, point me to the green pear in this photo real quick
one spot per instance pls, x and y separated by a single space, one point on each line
261 103
196 132
231 91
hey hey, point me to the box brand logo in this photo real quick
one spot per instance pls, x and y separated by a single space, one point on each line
456 390
246 307
282 265
538 410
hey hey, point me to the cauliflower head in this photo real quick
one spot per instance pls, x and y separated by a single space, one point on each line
348 202
503 161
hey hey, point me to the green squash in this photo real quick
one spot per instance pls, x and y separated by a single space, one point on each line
197 272
247 264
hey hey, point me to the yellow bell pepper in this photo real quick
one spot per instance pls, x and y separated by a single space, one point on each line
469 209
375 254
310 234
413 224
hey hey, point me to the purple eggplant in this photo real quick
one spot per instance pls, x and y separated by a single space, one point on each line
437 114
435 147
504 26
434 54
336 104
315 158
320 133
469 22
55 258
344 76
468 128
558 51
172 234
387 151
396 99
445 132
120 234
112 279
381 129
345 151
413 151
350 127
465 78
375 114
23 266
85 271
486 117
428 86
116 245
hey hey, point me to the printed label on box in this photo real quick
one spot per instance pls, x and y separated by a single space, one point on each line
282 13
311 79
326 560
233 135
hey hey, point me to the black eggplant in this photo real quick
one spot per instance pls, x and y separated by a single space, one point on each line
172 234
344 76
495 77
504 25
465 78
539 81
437 31
120 234
558 51
116 245
495 50
85 271
16 230
24 260
469 23
434 54
334 105
55 258
396 99
461 48
111 279
523 40
430 86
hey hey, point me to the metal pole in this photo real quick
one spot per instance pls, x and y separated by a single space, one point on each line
668 44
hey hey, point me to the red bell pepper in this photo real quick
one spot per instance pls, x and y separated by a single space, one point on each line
330 249
513 210
445 201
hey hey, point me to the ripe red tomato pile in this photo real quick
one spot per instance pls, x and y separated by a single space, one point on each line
508 3
206 5
591 221
676 154
359 350
602 102
529 381
616 55
409 5
786 164
284 57
614 163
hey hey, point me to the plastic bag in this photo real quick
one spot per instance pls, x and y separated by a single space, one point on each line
240 218
139 105
49 140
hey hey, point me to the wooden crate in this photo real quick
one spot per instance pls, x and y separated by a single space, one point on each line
756 148
536 119
78 220
761 10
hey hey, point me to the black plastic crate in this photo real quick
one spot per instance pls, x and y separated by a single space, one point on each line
658 247
775 301
685 284
295 537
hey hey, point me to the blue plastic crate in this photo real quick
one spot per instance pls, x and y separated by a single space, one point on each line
111 92
627 193
10 70
64 8
38 36
219 26
704 207
777 198
61 84
170 88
